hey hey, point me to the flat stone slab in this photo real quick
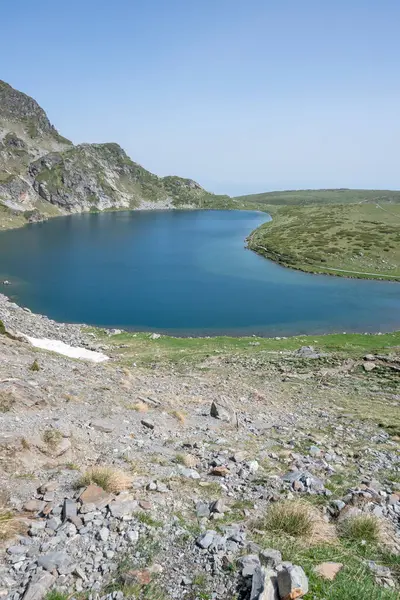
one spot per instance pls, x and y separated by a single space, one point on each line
94 494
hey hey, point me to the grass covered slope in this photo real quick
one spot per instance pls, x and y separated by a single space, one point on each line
358 237
331 196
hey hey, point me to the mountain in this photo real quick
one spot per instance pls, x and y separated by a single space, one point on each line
41 172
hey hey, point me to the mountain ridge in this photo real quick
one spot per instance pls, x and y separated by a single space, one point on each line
42 173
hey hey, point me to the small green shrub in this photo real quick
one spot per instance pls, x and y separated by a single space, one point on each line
34 366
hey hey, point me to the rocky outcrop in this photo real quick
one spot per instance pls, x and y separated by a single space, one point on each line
39 169
25 131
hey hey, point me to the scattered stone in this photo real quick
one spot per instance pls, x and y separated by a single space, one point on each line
206 539
328 570
221 412
369 366
50 486
123 507
189 473
147 424
270 558
103 534
34 506
202 510
69 510
94 494
54 560
248 564
103 426
220 471
219 506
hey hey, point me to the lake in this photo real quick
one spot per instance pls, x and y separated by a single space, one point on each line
180 272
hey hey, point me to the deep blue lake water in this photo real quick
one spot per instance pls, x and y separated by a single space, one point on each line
182 272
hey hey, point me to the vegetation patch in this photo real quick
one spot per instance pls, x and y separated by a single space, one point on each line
109 479
362 528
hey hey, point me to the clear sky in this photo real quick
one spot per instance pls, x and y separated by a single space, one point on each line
242 95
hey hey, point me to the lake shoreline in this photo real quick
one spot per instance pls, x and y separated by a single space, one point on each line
217 279
264 252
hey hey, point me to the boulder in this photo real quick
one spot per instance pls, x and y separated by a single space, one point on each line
38 589
264 585
292 582
221 412
248 564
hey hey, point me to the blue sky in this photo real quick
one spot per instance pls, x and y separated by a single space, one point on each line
243 96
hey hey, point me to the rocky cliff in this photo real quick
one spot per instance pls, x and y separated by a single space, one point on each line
42 172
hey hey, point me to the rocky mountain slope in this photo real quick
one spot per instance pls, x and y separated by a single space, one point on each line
247 475
43 172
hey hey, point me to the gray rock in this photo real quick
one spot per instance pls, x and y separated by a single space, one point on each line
103 534
38 589
132 536
308 352
37 527
248 564
103 426
206 539
221 412
122 508
189 473
379 570
148 424
69 510
202 510
290 579
54 560
53 523
264 585
218 506
17 550
315 451
270 558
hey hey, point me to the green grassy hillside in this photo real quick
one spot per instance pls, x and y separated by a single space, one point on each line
302 197
361 239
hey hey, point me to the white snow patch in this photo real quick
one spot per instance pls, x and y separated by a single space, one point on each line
66 350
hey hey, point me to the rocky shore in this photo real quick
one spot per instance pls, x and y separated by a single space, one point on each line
249 478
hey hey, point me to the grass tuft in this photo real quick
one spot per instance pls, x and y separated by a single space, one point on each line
9 526
7 401
52 437
362 528
56 595
293 518
179 416
109 479
140 407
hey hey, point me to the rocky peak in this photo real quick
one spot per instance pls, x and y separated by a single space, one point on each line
18 107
